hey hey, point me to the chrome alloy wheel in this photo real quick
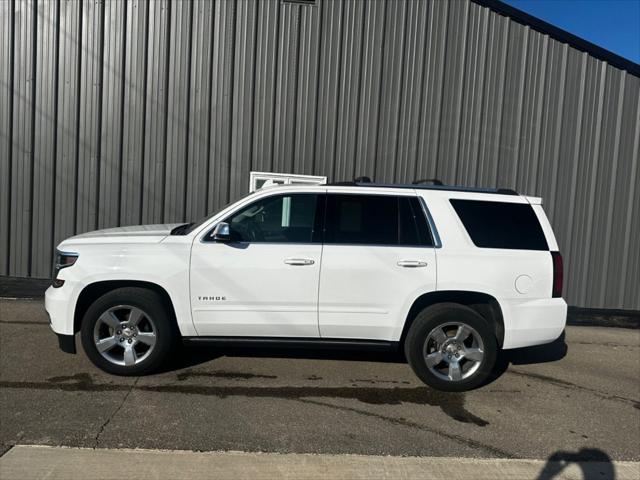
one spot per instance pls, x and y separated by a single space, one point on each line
453 351
124 335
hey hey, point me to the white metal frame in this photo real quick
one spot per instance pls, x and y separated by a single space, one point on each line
271 178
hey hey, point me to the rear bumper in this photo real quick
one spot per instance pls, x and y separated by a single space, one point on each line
533 322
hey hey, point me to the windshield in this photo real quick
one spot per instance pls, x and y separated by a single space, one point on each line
187 228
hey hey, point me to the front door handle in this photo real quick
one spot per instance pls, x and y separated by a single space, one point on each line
299 261
411 263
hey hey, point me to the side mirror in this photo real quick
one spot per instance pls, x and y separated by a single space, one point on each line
221 233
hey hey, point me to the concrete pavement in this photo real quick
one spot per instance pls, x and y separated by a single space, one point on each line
56 463
579 397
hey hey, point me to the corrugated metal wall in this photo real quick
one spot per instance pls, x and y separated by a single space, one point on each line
116 113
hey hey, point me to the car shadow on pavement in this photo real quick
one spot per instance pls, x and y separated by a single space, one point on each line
374 391
550 352
192 356
186 357
594 463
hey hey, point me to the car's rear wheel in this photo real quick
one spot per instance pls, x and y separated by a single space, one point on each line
451 347
127 331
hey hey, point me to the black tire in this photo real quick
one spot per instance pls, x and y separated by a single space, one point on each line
443 314
153 306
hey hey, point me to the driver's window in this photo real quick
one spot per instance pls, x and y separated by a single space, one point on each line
276 219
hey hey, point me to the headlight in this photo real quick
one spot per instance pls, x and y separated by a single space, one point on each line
63 260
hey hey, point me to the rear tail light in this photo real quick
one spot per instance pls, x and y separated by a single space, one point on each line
557 274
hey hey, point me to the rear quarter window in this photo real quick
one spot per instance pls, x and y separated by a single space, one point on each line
501 224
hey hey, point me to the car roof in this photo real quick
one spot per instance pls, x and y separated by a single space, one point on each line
449 191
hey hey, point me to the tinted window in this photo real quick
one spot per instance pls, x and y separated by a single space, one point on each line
372 220
501 225
420 222
277 219
407 230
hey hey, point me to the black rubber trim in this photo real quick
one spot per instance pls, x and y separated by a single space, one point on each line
314 343
411 186
561 35
67 343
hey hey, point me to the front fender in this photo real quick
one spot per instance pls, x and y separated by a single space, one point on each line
166 266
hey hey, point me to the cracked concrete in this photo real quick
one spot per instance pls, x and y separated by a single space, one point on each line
115 412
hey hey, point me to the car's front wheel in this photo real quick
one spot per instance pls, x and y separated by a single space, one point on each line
127 331
451 347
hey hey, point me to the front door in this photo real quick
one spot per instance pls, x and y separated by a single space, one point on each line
264 282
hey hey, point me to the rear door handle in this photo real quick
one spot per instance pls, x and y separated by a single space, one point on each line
299 261
411 263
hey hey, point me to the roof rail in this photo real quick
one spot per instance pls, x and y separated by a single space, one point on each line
362 180
421 185
433 181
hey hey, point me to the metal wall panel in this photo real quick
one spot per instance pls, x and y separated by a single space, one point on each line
69 53
369 85
179 86
286 85
411 91
22 141
199 109
133 112
433 86
116 113
243 88
222 78
107 66
349 89
390 91
155 115
46 82
328 87
6 128
97 56
306 91
266 68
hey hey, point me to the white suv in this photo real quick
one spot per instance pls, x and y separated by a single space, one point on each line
448 274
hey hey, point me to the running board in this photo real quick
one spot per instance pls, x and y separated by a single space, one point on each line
279 342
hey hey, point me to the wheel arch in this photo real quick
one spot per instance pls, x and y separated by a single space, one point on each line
95 290
487 306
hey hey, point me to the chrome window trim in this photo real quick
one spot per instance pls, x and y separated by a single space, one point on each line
435 236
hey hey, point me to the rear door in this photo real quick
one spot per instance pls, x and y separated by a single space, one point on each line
378 256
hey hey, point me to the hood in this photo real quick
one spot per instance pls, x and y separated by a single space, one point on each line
133 233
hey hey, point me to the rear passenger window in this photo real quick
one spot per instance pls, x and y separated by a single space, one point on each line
373 220
501 224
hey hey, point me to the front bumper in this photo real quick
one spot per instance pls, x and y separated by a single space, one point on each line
56 303
67 343
533 322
